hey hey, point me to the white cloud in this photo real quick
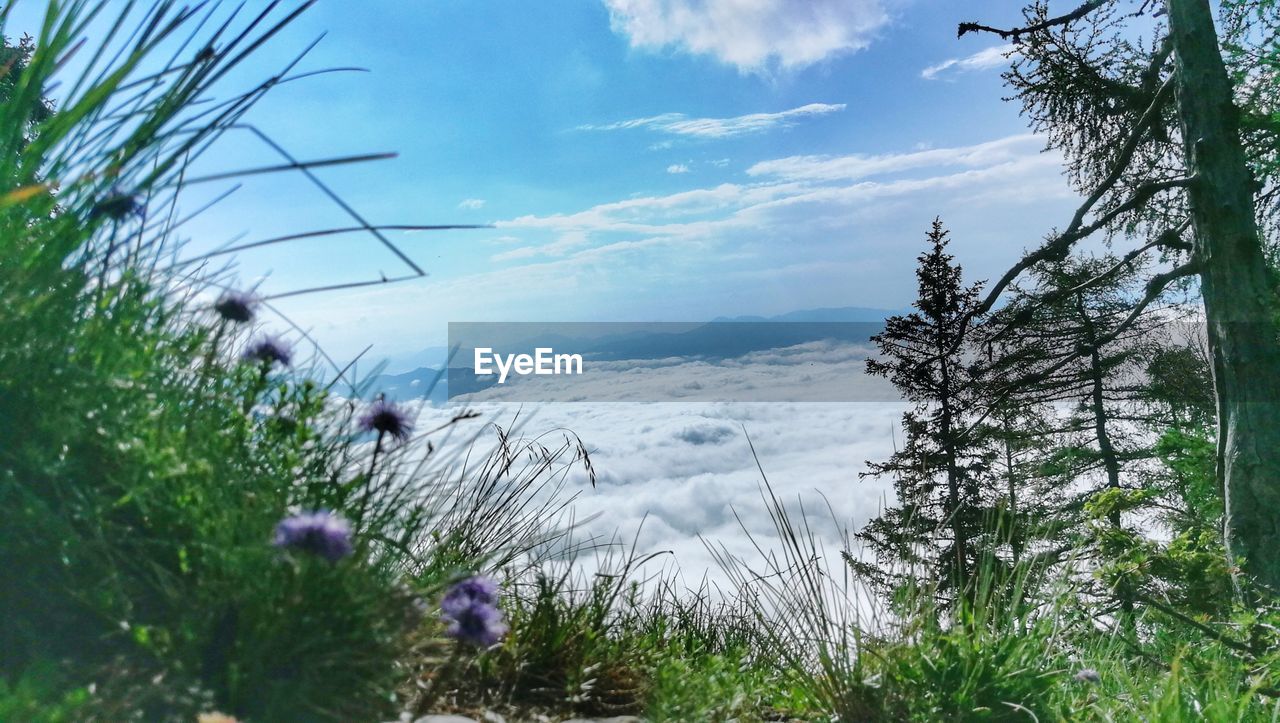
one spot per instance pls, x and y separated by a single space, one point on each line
677 168
753 36
857 166
993 57
1009 165
472 204
686 469
825 231
795 197
682 125
563 244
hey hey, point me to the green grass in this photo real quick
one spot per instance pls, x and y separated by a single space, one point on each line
144 467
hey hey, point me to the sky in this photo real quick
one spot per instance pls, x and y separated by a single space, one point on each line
639 160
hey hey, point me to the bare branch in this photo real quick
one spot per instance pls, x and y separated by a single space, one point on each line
1013 33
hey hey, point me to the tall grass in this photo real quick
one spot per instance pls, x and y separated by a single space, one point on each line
1028 645
146 464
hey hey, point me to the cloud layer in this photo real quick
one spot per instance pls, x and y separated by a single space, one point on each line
817 371
684 473
681 125
858 166
752 36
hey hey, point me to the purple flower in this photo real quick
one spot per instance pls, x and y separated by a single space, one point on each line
320 533
470 609
268 350
118 205
478 590
386 418
479 624
237 306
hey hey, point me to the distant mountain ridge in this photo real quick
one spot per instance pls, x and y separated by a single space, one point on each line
833 314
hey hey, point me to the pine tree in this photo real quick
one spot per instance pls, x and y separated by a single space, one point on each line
1069 341
931 535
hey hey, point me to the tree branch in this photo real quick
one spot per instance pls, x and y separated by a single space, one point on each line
1013 33
1059 246
1169 238
1154 288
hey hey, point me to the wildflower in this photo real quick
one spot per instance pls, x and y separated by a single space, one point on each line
480 625
118 205
237 306
477 590
319 533
470 609
1088 675
268 350
386 418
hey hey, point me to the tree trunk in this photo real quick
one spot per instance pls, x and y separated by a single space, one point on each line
1097 404
1238 295
1107 450
959 573
1014 532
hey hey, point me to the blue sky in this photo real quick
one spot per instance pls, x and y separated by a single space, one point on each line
640 160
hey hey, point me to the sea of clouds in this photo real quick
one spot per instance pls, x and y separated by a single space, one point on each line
676 476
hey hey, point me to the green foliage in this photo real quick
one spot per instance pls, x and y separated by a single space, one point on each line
976 669
40 696
728 687
602 645
145 465
578 643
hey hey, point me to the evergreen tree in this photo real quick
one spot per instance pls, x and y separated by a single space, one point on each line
931 535
1189 568
1066 343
